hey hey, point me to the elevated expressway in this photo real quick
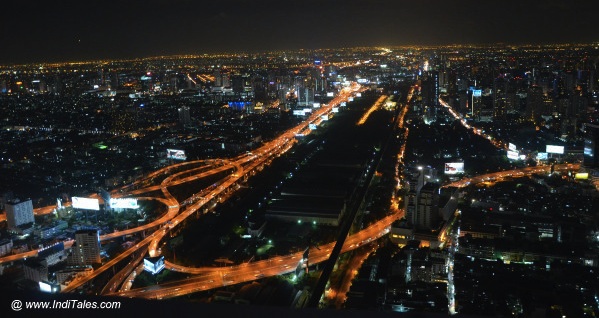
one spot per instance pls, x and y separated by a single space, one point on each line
239 167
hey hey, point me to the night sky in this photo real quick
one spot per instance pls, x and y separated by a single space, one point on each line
53 30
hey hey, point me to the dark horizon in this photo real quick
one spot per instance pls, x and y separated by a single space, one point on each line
58 31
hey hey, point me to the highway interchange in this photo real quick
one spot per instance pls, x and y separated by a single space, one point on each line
233 170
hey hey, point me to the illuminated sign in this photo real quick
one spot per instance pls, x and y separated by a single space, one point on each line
358 94
555 149
299 112
581 176
477 93
316 105
48 287
176 154
307 110
343 104
124 203
542 156
363 81
350 99
325 117
454 167
335 109
154 264
330 94
312 126
511 146
86 203
513 155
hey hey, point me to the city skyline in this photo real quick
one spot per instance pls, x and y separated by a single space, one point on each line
70 30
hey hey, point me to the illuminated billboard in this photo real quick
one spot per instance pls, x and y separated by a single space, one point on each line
124 203
350 99
85 203
343 104
48 287
330 94
454 167
154 264
542 156
316 105
307 110
358 94
335 109
581 176
555 149
176 154
513 155
477 93
325 117
312 126
511 146
299 112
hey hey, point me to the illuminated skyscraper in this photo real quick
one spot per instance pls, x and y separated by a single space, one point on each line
591 146
19 213
87 247
184 116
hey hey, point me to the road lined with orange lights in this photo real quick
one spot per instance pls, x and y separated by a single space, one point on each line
213 277
375 106
245 166
515 173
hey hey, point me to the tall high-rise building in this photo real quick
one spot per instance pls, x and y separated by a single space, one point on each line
19 213
535 104
427 209
420 198
184 116
87 247
591 146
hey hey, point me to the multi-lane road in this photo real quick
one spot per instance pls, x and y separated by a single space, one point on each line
235 169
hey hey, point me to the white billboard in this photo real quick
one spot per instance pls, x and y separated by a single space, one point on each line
330 94
176 154
124 203
542 156
511 146
555 149
85 203
307 110
350 99
312 126
513 155
154 265
316 105
299 112
335 109
325 117
454 167
343 104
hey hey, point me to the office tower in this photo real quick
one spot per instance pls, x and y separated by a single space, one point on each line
591 146
87 247
500 88
535 104
19 213
419 179
184 116
36 270
427 210
237 83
